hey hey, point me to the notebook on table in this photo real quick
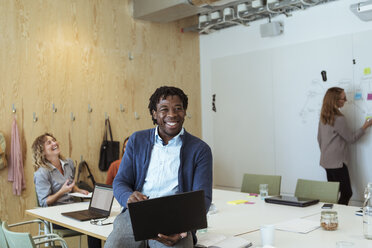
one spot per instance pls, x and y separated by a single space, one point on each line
168 215
291 201
99 206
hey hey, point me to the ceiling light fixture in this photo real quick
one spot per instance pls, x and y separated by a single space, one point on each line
362 10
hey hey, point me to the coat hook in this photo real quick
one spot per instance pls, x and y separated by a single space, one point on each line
72 117
35 118
106 116
188 115
14 110
130 56
81 158
54 109
136 116
122 109
89 109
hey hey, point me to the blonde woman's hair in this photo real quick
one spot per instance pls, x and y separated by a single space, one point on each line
38 156
329 108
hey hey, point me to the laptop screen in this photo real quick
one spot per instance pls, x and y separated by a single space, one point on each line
102 197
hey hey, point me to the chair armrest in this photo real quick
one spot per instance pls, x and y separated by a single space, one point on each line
62 241
27 222
38 221
51 235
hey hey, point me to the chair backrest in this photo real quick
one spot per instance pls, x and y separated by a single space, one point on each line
17 239
251 183
324 191
3 242
37 199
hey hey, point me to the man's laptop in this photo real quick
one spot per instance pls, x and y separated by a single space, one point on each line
168 215
291 201
99 206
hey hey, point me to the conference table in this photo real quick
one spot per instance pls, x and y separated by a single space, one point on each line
231 219
350 229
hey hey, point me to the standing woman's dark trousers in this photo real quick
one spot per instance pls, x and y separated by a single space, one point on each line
341 175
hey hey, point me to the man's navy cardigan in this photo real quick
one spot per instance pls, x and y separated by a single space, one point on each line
195 171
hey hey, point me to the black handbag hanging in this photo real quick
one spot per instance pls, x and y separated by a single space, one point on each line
109 149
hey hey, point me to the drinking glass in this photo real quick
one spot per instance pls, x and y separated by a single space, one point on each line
264 190
267 235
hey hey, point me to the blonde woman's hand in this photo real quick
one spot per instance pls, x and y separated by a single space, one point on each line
67 186
82 191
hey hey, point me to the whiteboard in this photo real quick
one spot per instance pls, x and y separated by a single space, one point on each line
243 89
361 172
268 104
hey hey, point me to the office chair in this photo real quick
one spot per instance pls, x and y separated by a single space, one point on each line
25 240
251 183
324 191
3 242
63 233
37 221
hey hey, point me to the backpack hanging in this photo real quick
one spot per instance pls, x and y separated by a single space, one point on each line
82 184
109 151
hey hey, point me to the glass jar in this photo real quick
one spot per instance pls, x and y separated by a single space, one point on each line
329 220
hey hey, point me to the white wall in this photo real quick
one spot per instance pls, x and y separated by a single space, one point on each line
317 23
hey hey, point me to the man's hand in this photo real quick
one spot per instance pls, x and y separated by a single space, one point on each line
170 240
136 197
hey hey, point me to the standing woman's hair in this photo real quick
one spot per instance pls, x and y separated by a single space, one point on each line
38 155
329 107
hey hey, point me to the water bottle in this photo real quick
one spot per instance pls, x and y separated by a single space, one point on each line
367 212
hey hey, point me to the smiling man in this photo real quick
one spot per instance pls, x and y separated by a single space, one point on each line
161 161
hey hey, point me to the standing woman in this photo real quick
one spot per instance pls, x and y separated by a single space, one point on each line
54 176
333 138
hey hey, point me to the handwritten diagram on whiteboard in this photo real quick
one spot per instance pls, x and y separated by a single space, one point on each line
358 97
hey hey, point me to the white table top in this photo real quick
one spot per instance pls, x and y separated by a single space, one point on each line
350 229
237 219
243 220
53 214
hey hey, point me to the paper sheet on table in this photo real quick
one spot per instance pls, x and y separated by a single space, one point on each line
232 242
298 225
116 206
214 240
76 194
208 239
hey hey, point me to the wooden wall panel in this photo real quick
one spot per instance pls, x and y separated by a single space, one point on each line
73 53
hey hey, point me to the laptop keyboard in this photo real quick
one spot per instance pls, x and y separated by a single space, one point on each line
91 215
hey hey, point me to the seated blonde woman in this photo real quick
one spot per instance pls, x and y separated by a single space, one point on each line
54 176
